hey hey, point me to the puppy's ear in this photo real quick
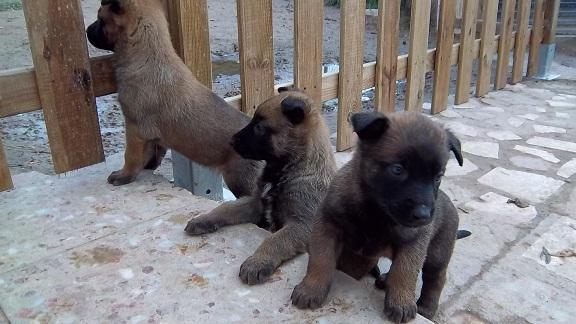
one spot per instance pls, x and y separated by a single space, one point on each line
288 88
369 126
455 147
295 109
116 6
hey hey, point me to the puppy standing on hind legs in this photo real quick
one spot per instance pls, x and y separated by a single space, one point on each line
386 202
289 133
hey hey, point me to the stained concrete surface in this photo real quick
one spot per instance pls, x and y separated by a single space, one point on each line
73 248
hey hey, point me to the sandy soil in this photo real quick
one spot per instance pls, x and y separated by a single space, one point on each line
24 136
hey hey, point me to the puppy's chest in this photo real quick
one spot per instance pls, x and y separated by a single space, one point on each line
270 195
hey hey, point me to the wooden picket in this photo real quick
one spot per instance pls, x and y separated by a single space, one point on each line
387 55
466 54
419 28
487 46
443 62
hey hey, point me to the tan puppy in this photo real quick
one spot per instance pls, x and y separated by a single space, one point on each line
289 133
386 202
163 103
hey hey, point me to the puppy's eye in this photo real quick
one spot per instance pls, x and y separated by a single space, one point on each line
259 129
396 169
439 177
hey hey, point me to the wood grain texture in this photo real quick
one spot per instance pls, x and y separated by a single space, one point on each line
190 36
443 57
387 55
506 42
308 41
536 38
487 46
5 178
466 53
521 38
419 29
64 80
350 76
256 52
551 21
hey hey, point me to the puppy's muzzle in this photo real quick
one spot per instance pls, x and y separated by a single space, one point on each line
421 214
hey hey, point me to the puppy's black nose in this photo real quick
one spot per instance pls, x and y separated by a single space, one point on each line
421 213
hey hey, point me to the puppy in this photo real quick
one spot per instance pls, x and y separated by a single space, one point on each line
163 104
289 133
386 202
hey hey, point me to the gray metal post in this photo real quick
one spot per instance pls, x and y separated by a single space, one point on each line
545 59
548 46
198 179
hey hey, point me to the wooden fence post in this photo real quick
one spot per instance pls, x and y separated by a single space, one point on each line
256 52
387 55
466 51
308 43
442 65
505 45
487 46
419 29
190 36
536 37
5 178
521 38
64 79
352 13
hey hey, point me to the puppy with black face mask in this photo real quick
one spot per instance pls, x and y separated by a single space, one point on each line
287 132
386 202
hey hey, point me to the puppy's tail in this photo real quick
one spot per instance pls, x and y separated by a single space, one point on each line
462 234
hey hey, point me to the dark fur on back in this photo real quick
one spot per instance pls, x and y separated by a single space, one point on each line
289 133
386 202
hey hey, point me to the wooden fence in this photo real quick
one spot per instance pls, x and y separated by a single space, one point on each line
65 81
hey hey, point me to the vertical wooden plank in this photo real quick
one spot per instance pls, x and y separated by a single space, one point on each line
466 51
443 57
190 36
505 45
551 21
487 46
308 41
536 37
419 28
5 178
387 55
256 52
350 77
521 39
60 55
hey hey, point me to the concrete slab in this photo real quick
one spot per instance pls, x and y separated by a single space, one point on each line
450 113
529 116
553 144
454 170
484 149
549 129
504 135
516 122
568 169
561 104
563 115
530 163
537 152
529 186
462 129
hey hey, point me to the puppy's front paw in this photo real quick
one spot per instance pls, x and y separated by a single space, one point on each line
308 296
199 226
427 311
256 270
120 177
399 312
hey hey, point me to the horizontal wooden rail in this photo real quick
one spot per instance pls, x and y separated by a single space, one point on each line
19 93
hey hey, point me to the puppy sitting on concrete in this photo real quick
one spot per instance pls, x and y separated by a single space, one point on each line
289 133
386 202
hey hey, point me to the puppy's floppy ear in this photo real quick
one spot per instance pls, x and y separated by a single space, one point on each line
116 6
288 88
295 109
455 147
369 126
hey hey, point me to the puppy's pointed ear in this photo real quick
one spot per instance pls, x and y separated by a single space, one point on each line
369 126
455 146
116 6
295 109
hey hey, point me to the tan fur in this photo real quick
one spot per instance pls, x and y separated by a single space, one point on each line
291 187
164 104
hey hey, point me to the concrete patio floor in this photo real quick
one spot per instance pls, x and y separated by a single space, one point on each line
75 249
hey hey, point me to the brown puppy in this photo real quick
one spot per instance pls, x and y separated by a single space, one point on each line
163 103
386 202
289 133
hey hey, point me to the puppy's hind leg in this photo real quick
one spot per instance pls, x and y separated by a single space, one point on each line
281 246
137 155
243 210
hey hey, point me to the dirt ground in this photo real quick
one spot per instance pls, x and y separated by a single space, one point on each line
25 138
